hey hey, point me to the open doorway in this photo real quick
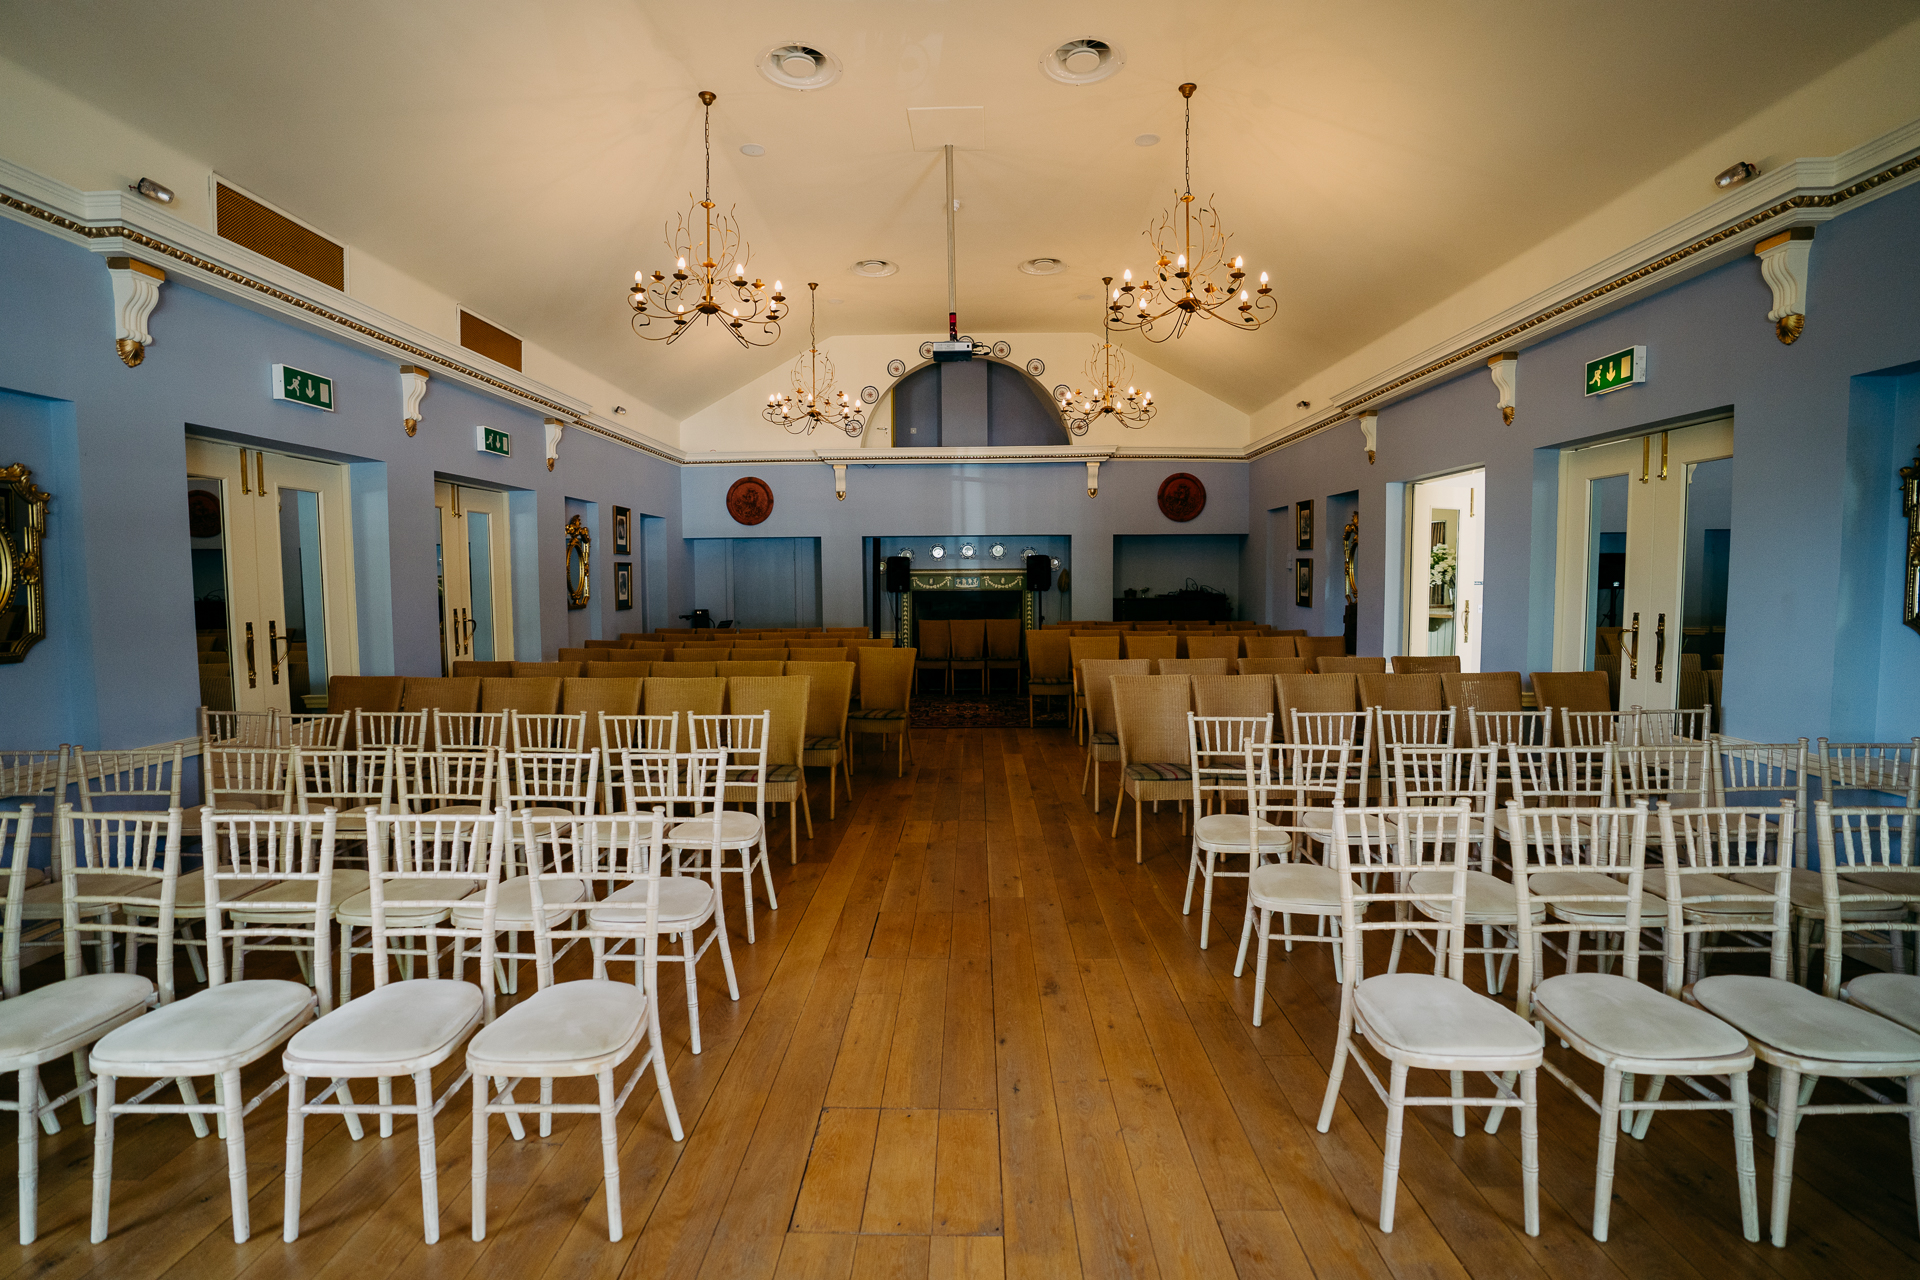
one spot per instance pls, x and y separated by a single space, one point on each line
1446 567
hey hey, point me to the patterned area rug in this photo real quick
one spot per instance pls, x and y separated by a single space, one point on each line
993 711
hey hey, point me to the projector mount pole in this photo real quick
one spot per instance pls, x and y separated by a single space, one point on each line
953 312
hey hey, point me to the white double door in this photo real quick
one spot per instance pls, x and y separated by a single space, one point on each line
1645 528
476 577
272 577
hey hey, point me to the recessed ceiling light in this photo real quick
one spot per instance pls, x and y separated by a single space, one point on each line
835 301
875 267
1083 297
1043 266
1147 140
1082 61
752 149
795 65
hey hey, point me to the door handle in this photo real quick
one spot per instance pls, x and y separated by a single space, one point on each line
1466 621
273 649
260 467
1660 649
1633 650
252 679
472 628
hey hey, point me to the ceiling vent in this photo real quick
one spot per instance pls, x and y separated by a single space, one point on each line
251 224
1082 61
799 66
1043 266
875 267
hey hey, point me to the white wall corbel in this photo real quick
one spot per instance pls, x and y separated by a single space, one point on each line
1093 478
839 481
136 291
1505 369
555 428
1783 265
413 386
1370 433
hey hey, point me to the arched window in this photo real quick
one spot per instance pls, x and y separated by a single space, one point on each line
973 402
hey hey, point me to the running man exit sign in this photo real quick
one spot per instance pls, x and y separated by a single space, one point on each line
495 441
1621 369
297 386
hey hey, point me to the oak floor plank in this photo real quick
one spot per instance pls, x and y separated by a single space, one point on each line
815 1257
900 1193
966 1186
833 1192
892 1257
967 1258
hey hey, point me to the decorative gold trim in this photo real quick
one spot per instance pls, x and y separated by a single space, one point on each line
1910 508
23 559
579 584
1788 328
1784 208
131 352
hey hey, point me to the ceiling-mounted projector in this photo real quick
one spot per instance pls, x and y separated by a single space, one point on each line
944 352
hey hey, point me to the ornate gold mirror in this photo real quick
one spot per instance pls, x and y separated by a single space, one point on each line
579 558
23 596
1910 507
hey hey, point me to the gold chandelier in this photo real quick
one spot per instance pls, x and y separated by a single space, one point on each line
1190 255
813 401
1106 370
666 305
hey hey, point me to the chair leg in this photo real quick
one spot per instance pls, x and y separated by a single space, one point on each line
1139 855
1396 1121
29 1160
234 1099
192 1099
1457 1081
429 1169
1743 1151
1119 806
102 1156
1788 1108
481 1084
1246 928
83 1078
610 1153
1206 899
1259 966
1342 1043
693 992
296 1157
1530 1148
1610 1090
1639 1126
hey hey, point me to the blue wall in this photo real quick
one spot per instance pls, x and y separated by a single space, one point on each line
118 668
1797 625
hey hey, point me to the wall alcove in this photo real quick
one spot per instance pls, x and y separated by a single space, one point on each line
973 403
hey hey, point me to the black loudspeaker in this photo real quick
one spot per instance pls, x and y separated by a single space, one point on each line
899 574
1039 573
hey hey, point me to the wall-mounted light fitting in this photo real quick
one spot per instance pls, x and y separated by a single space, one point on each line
1735 175
153 191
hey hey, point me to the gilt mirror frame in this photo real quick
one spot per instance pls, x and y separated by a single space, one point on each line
579 563
1910 508
23 532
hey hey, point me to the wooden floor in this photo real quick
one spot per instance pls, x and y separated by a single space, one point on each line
976 1040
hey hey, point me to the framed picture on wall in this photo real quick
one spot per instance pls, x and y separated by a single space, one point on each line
622 531
623 585
1302 583
1303 526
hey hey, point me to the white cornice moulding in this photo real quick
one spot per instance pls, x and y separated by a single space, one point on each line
1546 314
226 269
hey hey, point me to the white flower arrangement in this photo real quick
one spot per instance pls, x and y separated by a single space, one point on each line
1443 567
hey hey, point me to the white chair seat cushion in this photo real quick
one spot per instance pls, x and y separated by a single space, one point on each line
1692 886
190 897
1490 900
1629 1019
1319 824
43 901
455 811
208 1032
684 902
513 909
1227 832
571 1028
1904 883
1891 995
1810 899
1583 827
1795 1020
292 897
1432 1016
1295 886
1653 907
400 896
735 828
405 1026
55 1019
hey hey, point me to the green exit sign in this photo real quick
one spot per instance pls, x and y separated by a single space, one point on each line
297 386
1621 369
495 441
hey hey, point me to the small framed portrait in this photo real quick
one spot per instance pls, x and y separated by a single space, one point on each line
622 531
1303 526
623 585
1302 583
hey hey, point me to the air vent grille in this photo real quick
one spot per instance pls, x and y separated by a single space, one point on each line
252 225
489 340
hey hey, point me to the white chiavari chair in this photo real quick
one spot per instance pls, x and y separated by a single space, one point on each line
1802 1036
1756 773
1667 728
1288 781
1327 729
403 1028
1425 1021
1731 878
325 731
239 728
232 1024
1595 728
547 732
1891 767
1218 747
63 1018
1868 866
1509 728
746 740
404 730
247 779
354 782
638 733
448 782
1587 868
110 779
470 730
585 1028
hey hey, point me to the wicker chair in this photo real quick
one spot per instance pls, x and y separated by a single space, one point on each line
886 698
934 637
829 700
1103 739
1151 714
785 699
1049 668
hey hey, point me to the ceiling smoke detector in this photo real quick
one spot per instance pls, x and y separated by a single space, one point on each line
799 66
1082 61
1043 266
752 149
875 267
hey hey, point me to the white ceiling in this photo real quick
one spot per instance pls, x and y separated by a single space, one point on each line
1375 157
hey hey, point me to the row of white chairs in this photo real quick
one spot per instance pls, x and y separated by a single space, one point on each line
437 885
